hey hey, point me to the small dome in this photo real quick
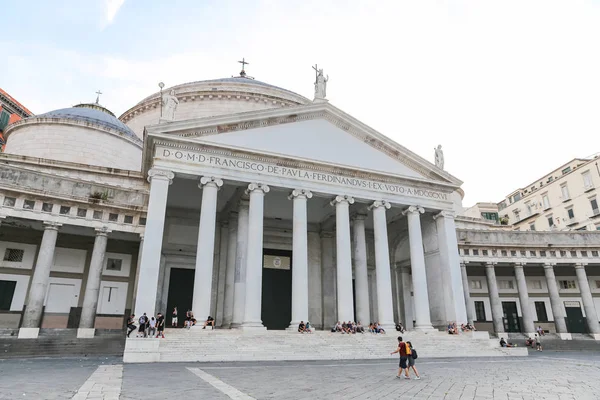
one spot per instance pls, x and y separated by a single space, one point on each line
95 114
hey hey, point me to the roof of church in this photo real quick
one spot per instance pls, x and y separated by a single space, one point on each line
95 114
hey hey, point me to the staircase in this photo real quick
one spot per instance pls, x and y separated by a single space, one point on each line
198 345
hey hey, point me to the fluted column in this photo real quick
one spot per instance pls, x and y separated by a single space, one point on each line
361 277
407 298
328 279
526 312
32 317
417 263
92 287
385 306
137 271
206 244
591 315
345 303
496 304
467 294
230 271
153 238
239 281
558 308
299 257
254 258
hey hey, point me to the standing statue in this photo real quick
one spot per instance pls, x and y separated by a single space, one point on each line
169 105
321 85
439 157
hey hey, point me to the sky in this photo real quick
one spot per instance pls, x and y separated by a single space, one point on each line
510 89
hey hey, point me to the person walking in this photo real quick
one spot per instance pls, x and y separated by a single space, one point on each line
160 325
404 351
411 360
174 318
538 343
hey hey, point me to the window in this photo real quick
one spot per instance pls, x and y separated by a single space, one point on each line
14 255
513 253
540 310
523 253
517 197
564 190
587 180
491 216
546 201
47 207
552 253
113 217
594 204
506 285
475 284
584 253
7 291
504 253
528 208
550 179
517 217
502 205
475 252
142 221
566 170
567 284
97 214
542 253
9 201
114 264
28 204
466 252
573 253
128 219
64 210
563 253
484 252
594 253
536 284
82 212
532 253
570 213
479 311
597 284
532 226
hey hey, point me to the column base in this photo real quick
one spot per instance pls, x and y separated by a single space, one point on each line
389 327
424 328
596 336
564 336
86 333
28 333
253 326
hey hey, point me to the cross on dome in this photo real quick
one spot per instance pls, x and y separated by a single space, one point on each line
98 97
244 63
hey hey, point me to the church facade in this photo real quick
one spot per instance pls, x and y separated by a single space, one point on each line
236 199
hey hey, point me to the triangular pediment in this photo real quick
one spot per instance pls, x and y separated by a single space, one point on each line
317 132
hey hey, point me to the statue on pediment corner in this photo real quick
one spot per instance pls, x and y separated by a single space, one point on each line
169 105
439 157
321 85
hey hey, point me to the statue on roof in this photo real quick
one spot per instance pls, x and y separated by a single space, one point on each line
320 84
169 105
439 157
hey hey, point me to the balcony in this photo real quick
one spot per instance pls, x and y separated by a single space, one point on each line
588 188
595 213
571 221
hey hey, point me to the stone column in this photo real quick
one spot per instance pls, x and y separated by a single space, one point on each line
467 294
417 262
385 306
591 315
328 283
254 257
407 301
315 296
496 304
230 271
299 258
153 239
32 317
361 278
239 281
92 288
345 301
203 275
450 266
558 308
137 271
528 325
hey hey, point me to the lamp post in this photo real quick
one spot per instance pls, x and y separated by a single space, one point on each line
161 86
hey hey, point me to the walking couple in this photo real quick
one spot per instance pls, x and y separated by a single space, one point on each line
408 355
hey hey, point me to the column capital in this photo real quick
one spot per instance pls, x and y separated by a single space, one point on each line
244 201
160 174
233 217
300 193
445 214
342 199
258 187
490 264
380 203
413 210
48 225
210 181
359 216
549 265
519 264
580 265
103 231
463 264
141 237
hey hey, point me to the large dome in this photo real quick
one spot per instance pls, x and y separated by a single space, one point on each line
85 134
210 98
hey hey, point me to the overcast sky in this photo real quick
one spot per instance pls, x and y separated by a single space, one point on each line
511 89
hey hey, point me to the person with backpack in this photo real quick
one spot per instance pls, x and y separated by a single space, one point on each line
405 352
411 360
142 328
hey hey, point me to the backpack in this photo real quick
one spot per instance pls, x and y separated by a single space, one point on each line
142 320
414 354
407 347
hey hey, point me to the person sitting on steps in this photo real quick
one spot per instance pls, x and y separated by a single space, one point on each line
301 327
209 321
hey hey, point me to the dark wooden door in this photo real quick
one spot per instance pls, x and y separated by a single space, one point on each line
181 290
511 317
575 320
276 310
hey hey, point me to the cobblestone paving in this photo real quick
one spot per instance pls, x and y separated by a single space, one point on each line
541 376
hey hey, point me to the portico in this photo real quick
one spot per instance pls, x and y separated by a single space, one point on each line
283 191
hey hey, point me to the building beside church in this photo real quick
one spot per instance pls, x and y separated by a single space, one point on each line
263 208
10 111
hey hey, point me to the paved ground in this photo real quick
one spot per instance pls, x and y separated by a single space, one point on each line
544 375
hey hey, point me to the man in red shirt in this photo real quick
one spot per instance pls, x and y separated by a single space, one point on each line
404 354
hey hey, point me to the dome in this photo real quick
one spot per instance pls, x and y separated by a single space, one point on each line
211 98
95 114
